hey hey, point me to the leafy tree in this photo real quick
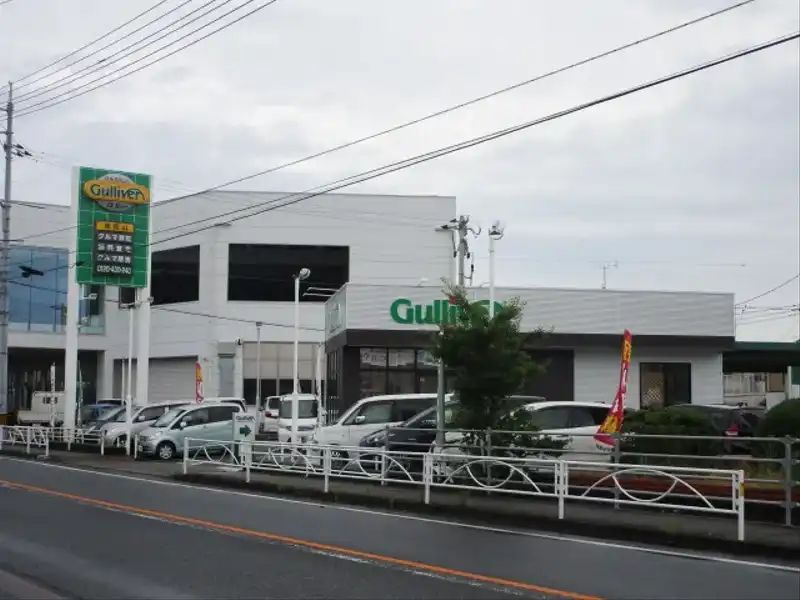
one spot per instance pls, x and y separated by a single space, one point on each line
781 421
487 357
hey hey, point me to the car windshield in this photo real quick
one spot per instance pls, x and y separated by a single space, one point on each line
111 414
274 403
168 417
307 408
119 417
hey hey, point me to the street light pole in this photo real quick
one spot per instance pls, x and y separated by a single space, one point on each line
495 234
302 275
259 414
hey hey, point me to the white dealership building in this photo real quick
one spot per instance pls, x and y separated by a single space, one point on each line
214 282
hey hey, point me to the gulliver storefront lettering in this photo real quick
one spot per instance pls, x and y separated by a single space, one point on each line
404 312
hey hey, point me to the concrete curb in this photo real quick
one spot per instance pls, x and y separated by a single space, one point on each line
469 514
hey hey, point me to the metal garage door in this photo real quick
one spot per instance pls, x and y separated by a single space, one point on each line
171 379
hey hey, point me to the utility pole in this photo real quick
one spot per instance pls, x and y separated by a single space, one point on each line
4 255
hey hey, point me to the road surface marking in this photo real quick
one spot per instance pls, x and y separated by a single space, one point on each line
378 558
411 517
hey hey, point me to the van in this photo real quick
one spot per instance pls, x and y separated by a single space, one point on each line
204 423
307 417
370 415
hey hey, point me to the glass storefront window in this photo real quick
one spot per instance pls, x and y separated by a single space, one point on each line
373 358
38 292
403 359
426 360
373 383
401 382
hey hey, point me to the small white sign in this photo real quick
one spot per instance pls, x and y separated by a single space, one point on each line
244 427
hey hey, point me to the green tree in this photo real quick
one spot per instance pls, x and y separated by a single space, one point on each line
487 357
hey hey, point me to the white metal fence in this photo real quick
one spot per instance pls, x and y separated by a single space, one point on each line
679 488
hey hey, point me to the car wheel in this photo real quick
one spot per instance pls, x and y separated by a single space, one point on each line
165 451
339 459
119 442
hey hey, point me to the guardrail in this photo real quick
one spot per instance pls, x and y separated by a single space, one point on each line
681 488
29 437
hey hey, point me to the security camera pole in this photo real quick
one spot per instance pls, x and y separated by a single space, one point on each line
301 276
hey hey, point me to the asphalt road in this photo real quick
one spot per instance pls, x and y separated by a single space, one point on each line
78 534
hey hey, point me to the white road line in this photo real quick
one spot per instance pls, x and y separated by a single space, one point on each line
488 528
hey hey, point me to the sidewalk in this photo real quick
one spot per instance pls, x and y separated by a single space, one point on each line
666 528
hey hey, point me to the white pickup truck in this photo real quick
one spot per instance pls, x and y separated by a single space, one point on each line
47 408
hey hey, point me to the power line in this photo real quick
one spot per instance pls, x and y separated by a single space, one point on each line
455 107
84 47
769 291
413 161
294 198
173 310
43 105
106 60
4 2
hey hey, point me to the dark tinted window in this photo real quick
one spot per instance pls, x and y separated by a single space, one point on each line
196 417
151 414
750 419
406 408
265 272
221 413
176 275
274 402
580 416
721 418
555 417
598 413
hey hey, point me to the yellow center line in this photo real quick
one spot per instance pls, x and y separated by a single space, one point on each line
410 564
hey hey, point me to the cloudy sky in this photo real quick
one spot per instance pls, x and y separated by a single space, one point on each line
694 185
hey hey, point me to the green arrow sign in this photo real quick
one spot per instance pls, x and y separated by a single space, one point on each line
245 431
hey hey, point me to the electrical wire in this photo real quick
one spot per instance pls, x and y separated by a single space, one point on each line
43 105
455 107
18 83
106 61
770 291
294 198
4 2
174 310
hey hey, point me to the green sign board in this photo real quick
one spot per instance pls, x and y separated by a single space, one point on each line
113 227
406 312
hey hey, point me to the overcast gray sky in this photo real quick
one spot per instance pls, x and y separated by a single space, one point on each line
694 185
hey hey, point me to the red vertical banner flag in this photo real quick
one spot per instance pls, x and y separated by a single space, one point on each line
612 424
198 382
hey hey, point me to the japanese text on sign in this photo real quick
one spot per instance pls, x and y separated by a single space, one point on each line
113 248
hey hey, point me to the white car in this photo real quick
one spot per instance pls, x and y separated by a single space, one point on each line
307 417
370 415
575 423
269 425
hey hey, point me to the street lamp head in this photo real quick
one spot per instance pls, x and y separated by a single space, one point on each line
497 231
304 274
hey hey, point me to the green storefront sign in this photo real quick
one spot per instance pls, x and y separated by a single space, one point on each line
406 312
113 227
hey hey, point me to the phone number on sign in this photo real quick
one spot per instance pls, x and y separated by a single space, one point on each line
114 270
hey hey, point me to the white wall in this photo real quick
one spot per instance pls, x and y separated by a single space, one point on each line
391 238
597 373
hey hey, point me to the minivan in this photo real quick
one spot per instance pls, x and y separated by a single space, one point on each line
372 414
203 423
307 417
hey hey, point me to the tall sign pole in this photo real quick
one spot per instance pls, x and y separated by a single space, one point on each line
112 249
4 257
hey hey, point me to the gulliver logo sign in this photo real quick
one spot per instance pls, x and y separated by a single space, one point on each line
113 227
405 312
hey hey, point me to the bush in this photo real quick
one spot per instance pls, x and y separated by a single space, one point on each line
781 421
672 421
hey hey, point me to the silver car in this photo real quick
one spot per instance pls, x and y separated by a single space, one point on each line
116 431
206 423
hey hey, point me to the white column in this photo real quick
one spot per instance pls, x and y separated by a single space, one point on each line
73 318
143 351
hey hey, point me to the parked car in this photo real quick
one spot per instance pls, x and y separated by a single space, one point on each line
307 417
418 433
732 422
91 413
570 422
107 417
369 415
269 425
115 432
201 423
